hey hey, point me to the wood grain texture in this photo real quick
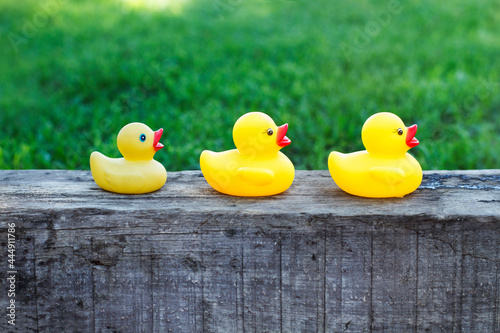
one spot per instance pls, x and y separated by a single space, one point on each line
313 259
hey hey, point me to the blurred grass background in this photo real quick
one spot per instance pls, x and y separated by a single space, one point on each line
72 73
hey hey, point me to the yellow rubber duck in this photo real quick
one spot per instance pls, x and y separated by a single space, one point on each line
256 167
137 172
384 169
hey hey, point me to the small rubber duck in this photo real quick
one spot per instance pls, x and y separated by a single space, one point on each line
384 169
136 172
256 167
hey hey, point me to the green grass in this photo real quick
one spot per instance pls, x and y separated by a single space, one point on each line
68 85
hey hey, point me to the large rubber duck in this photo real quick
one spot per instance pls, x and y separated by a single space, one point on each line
256 167
136 172
384 169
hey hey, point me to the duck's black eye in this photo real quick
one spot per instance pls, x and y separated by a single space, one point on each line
270 131
400 131
142 137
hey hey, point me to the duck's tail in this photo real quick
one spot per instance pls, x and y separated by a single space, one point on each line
95 157
334 159
204 158
96 162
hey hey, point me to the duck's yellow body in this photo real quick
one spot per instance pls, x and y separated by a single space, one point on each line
365 175
129 177
137 172
256 167
230 172
385 169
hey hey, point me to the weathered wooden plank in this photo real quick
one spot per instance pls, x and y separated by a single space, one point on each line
302 289
394 279
313 259
357 263
63 282
457 275
262 282
24 282
441 195
480 256
221 283
334 321
122 283
177 289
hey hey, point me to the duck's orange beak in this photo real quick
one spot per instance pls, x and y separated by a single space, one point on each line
411 141
156 142
281 139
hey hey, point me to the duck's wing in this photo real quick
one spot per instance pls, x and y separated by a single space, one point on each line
132 181
256 176
388 175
